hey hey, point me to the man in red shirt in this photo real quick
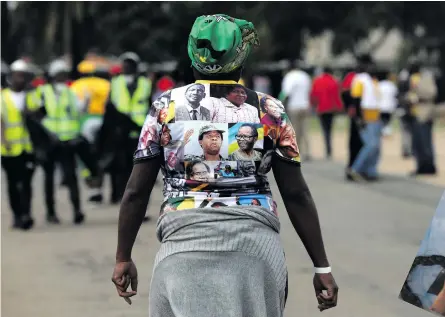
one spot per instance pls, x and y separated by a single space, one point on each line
325 97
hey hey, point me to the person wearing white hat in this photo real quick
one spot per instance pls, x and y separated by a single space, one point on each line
63 120
17 151
124 116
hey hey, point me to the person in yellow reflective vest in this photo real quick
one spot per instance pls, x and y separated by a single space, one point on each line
17 153
124 116
63 120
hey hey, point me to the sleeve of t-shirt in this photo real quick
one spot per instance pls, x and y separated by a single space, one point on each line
149 139
286 146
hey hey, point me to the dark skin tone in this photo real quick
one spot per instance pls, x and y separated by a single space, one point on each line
297 200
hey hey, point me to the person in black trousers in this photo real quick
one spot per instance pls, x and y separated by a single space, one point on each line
355 142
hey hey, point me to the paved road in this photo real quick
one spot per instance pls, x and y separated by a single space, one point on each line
372 234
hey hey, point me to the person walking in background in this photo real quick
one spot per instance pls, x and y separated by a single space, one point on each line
365 93
355 142
325 97
205 251
62 118
92 89
388 100
296 89
406 118
421 102
17 151
124 116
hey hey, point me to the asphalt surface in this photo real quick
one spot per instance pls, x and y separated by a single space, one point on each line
372 233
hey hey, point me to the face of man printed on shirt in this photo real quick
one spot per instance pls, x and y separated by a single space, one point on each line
194 94
172 160
246 138
246 167
200 172
165 136
211 143
288 142
273 109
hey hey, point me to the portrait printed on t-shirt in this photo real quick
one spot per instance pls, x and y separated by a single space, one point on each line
246 141
173 139
233 103
272 111
189 105
208 142
287 146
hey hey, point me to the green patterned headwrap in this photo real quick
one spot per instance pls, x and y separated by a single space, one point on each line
220 44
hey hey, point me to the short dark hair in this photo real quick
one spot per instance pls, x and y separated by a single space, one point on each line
257 200
383 74
218 204
254 130
414 67
263 102
232 88
328 70
190 165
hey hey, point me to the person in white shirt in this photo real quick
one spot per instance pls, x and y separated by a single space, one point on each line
388 93
296 87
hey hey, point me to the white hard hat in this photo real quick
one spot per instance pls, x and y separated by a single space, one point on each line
20 66
130 56
58 67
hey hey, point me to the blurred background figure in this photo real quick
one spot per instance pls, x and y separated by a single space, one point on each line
92 88
325 98
355 142
4 73
124 116
62 118
17 153
365 95
261 82
296 88
388 100
421 99
406 118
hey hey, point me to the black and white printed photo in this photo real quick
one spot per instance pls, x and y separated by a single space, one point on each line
189 106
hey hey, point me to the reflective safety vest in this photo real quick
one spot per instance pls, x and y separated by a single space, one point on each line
135 106
16 133
62 115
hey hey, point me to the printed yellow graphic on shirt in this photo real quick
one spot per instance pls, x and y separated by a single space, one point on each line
187 203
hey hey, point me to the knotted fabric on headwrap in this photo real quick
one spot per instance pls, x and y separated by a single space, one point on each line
220 44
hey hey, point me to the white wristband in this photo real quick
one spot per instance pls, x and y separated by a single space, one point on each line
323 270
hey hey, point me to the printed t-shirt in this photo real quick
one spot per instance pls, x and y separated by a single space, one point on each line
198 150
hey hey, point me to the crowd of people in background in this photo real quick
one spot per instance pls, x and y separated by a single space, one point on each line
92 123
372 98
